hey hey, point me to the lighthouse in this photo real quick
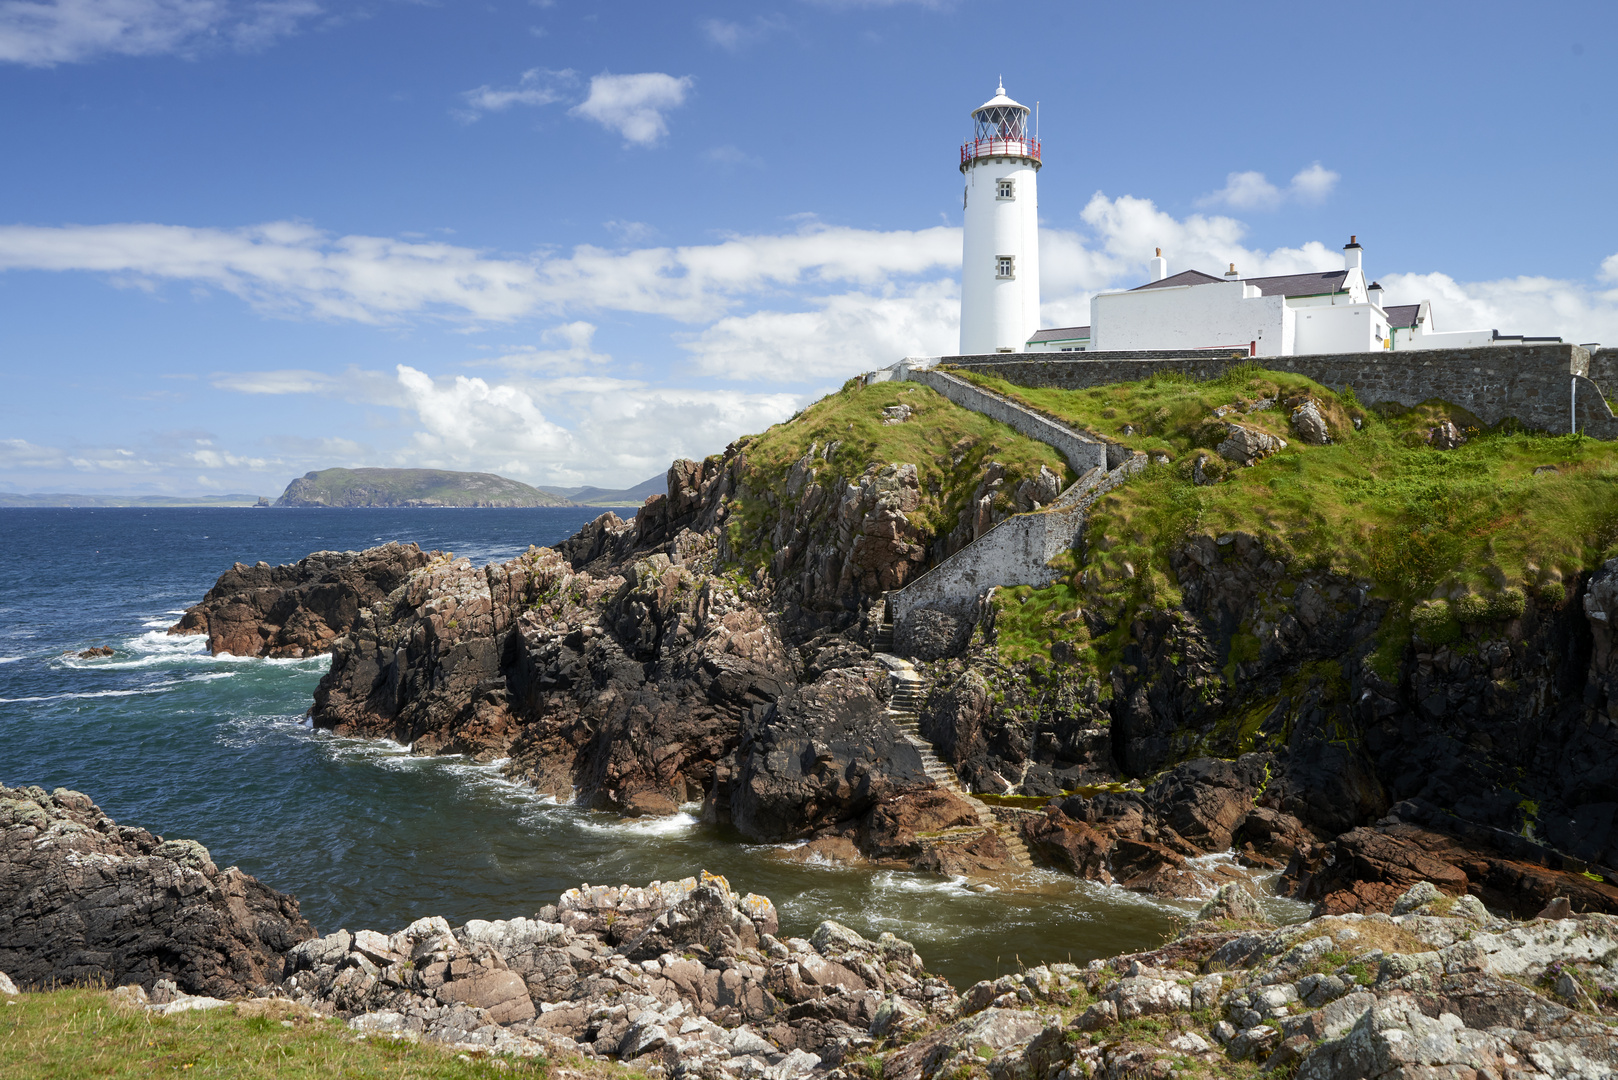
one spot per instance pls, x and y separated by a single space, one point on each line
1000 249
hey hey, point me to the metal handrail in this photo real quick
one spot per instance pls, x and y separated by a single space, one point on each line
978 148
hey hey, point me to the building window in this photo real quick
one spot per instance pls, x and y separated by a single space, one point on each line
1006 189
1005 266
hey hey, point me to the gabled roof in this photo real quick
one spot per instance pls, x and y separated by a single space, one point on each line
1402 315
1328 281
1184 277
1061 333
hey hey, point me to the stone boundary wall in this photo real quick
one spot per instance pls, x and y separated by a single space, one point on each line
1082 452
1603 370
1017 551
1111 354
1533 383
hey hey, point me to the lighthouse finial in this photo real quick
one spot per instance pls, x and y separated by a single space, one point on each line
1001 91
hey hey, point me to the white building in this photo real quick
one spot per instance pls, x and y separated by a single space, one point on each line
1334 311
1000 246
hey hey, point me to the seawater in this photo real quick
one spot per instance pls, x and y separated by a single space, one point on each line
218 749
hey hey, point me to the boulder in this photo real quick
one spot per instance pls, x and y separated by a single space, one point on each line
1309 424
1244 445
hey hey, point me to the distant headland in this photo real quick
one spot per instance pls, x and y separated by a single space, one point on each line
412 488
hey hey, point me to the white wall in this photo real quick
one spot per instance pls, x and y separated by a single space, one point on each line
1214 315
1455 339
999 314
1343 328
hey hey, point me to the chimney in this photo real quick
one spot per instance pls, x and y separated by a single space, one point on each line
1231 273
1160 266
1352 253
1373 292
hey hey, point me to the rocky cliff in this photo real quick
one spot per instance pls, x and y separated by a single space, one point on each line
1279 690
84 899
297 609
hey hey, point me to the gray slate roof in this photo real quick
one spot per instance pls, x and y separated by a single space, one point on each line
1402 315
1061 333
1328 281
1184 277
1314 284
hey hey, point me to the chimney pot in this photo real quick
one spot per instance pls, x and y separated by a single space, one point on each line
1159 253
1232 271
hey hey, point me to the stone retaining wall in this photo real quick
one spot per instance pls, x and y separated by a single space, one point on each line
1082 452
1532 383
1017 551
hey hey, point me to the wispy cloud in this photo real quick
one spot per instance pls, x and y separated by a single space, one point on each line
1253 191
536 87
634 105
44 33
735 36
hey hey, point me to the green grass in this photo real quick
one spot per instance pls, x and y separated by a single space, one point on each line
949 445
84 1032
1378 505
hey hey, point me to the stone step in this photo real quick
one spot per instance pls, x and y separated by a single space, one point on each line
904 712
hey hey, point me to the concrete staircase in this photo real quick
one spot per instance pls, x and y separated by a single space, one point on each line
904 709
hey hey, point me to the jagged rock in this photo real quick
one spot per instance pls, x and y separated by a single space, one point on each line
1247 446
896 414
1446 436
297 610
1231 902
84 899
1309 424
824 753
7 987
927 634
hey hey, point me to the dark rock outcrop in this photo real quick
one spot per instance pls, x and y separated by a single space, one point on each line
297 609
83 899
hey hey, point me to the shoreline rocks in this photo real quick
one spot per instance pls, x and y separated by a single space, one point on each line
83 898
299 609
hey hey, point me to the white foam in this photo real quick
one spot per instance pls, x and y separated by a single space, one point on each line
90 694
11 659
655 826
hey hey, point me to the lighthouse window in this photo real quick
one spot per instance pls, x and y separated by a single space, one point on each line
1006 189
1004 266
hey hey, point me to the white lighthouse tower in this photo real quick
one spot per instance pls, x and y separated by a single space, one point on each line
1000 252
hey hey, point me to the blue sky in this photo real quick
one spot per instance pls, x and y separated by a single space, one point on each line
568 242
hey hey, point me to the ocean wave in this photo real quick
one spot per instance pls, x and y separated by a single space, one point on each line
163 689
11 659
157 648
658 826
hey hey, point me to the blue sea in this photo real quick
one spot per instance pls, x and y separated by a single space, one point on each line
218 749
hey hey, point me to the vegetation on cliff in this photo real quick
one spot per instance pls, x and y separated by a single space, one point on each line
412 487
860 428
1449 537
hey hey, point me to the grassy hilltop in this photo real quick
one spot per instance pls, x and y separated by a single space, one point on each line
412 487
1449 536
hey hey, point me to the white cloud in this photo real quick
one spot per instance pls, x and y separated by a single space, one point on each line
634 105
576 352
22 454
1313 184
845 335
1129 228
631 232
471 423
288 381
1535 306
287 268
43 33
537 86
1253 191
735 36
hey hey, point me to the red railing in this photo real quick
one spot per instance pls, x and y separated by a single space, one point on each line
982 148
